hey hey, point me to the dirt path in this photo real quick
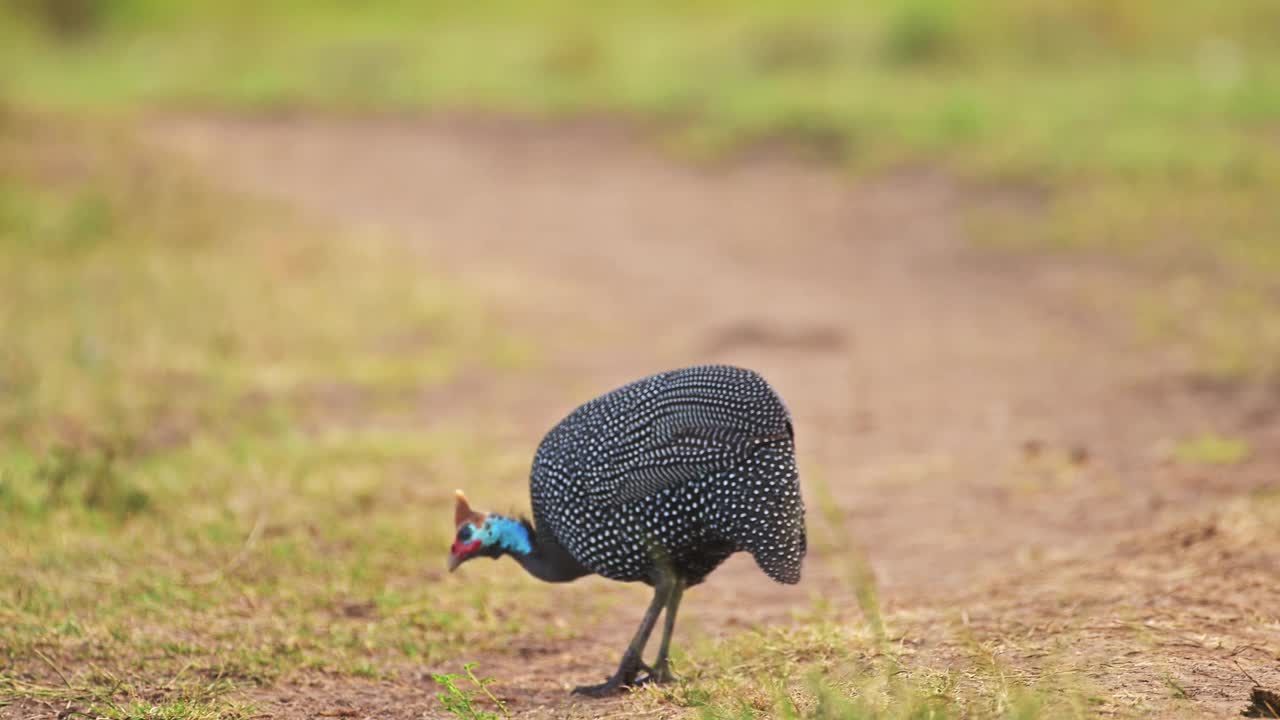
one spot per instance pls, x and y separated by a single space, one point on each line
973 421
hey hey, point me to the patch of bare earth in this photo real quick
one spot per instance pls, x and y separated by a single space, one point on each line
1000 450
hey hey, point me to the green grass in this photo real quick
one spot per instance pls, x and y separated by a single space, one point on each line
1211 449
1148 130
461 692
1046 88
210 475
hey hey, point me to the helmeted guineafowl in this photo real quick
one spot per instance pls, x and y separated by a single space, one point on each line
658 481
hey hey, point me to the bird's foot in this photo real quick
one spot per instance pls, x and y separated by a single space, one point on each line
623 679
612 686
659 674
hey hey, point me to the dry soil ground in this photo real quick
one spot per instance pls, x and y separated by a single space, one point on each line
990 433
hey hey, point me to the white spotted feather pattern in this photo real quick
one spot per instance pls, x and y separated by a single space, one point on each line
681 470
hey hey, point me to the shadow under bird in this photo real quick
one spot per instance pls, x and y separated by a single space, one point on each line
659 482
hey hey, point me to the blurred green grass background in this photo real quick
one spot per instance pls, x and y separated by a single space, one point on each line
1049 87
1143 130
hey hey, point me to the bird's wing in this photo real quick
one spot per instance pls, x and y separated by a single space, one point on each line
686 429
687 454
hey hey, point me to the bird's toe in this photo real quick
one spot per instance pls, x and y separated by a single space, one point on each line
622 680
658 675
605 689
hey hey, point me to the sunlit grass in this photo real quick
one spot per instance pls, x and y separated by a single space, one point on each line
1039 88
210 471
1148 131
1211 449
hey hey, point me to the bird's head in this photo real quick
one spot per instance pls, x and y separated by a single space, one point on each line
485 534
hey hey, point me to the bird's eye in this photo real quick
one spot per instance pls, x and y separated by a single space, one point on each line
464 533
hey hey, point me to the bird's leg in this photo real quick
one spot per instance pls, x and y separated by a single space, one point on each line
661 670
632 661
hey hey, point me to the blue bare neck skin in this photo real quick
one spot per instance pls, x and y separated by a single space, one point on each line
509 534
541 557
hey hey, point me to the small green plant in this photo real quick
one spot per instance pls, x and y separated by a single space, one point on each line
462 703
1212 449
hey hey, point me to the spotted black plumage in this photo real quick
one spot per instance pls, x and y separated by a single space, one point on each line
697 463
658 481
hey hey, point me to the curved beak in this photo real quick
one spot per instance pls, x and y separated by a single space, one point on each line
454 562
